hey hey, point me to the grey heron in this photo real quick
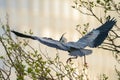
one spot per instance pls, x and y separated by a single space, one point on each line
92 39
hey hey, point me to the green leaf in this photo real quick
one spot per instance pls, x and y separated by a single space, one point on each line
29 70
98 1
1 57
83 32
73 6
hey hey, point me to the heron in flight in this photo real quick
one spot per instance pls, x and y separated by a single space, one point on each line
92 39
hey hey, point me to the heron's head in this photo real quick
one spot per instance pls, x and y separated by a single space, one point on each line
63 39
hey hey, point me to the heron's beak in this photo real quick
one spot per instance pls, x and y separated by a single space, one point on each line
62 36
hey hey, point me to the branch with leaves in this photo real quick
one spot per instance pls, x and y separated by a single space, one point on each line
108 7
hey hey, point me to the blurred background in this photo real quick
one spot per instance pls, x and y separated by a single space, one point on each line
52 18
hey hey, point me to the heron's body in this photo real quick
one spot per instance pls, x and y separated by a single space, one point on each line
92 39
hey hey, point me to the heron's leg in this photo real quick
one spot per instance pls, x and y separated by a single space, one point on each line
85 62
70 59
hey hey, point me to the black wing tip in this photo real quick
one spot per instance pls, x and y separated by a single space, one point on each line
23 35
12 31
15 32
112 20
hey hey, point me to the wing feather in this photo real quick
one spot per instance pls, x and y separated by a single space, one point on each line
88 40
46 41
97 36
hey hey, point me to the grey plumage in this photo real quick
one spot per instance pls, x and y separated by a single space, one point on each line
92 39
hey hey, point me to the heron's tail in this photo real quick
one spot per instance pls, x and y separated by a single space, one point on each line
22 35
80 52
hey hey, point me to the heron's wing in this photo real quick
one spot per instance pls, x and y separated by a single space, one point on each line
88 39
46 41
97 36
104 29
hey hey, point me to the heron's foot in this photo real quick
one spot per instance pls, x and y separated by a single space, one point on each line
86 65
70 59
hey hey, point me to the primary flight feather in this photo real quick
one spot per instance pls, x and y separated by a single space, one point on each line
92 39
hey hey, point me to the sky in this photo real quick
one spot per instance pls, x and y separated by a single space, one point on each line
52 18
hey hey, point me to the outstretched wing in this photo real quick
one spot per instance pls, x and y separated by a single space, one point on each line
46 41
97 36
